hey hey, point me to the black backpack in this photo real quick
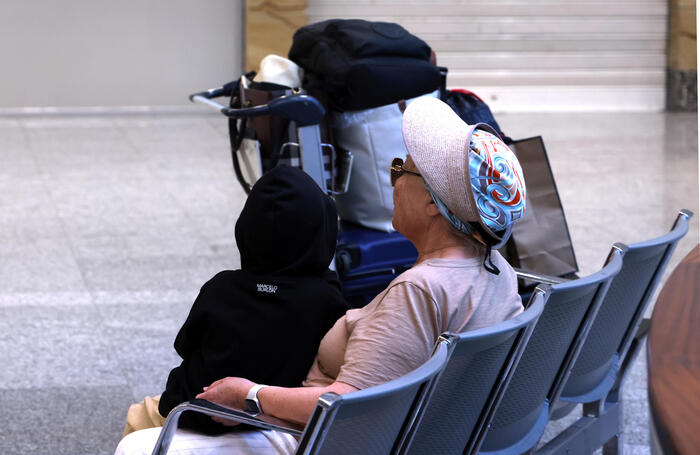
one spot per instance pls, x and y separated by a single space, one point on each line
358 64
472 109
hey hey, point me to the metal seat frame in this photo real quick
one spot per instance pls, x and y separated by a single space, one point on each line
556 341
394 407
601 420
459 408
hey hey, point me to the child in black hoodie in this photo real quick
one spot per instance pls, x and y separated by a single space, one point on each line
265 321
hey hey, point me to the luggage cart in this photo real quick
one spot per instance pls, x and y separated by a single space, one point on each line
304 113
366 260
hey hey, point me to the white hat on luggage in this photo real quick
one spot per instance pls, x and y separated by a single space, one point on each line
279 70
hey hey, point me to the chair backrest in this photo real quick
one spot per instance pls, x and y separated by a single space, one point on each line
463 399
371 421
556 340
596 369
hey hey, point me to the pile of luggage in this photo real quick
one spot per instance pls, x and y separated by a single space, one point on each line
364 74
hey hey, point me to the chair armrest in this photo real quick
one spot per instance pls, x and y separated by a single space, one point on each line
236 415
538 277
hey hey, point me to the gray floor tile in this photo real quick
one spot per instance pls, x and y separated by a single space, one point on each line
636 421
28 212
142 337
139 273
125 196
219 126
158 128
580 127
71 130
58 346
185 160
139 297
44 264
631 449
94 209
141 240
554 427
46 298
11 128
210 197
636 383
78 420
109 225
14 151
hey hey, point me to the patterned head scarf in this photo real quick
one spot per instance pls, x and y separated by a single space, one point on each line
475 179
496 180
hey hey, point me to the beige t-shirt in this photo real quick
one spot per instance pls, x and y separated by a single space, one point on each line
395 333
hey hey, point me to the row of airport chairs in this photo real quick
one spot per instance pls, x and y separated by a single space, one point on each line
492 391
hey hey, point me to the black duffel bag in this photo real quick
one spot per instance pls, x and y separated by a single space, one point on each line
471 108
358 64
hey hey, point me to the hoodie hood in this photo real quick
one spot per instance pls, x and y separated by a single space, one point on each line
287 226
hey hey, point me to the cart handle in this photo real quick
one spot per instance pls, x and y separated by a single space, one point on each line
303 109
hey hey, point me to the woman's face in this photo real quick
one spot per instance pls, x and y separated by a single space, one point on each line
409 192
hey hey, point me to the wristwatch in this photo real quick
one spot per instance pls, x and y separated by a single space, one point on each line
252 403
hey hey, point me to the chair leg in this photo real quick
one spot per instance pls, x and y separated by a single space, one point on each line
613 446
594 409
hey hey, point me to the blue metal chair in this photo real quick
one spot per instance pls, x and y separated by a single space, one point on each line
369 421
611 346
480 364
522 415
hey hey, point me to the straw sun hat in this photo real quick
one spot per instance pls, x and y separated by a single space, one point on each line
467 168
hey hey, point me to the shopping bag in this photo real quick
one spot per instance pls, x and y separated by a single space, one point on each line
374 138
540 242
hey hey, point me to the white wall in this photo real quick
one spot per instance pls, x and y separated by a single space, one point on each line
75 53
517 54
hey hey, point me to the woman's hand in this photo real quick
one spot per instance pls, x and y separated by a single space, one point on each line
294 404
229 392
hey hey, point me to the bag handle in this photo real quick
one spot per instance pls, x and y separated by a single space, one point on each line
468 93
237 128
504 137
443 83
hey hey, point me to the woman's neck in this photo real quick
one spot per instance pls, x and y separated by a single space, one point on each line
455 251
437 240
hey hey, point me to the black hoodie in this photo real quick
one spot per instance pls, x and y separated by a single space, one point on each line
263 322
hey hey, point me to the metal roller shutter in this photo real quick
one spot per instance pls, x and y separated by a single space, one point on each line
536 55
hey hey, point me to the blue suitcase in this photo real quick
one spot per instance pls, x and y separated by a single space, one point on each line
367 260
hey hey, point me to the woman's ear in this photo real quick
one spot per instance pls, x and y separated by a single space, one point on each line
431 208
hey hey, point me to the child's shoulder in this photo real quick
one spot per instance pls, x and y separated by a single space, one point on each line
224 277
224 274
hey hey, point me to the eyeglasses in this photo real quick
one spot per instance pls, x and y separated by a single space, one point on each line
396 170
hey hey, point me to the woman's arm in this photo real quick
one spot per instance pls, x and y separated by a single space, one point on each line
293 404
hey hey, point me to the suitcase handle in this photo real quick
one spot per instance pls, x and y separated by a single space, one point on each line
303 109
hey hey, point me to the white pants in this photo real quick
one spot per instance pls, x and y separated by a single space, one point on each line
245 442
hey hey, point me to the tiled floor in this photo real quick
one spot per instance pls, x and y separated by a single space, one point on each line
109 225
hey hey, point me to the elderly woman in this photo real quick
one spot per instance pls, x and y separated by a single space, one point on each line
455 198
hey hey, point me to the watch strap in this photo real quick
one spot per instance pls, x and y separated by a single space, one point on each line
253 394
